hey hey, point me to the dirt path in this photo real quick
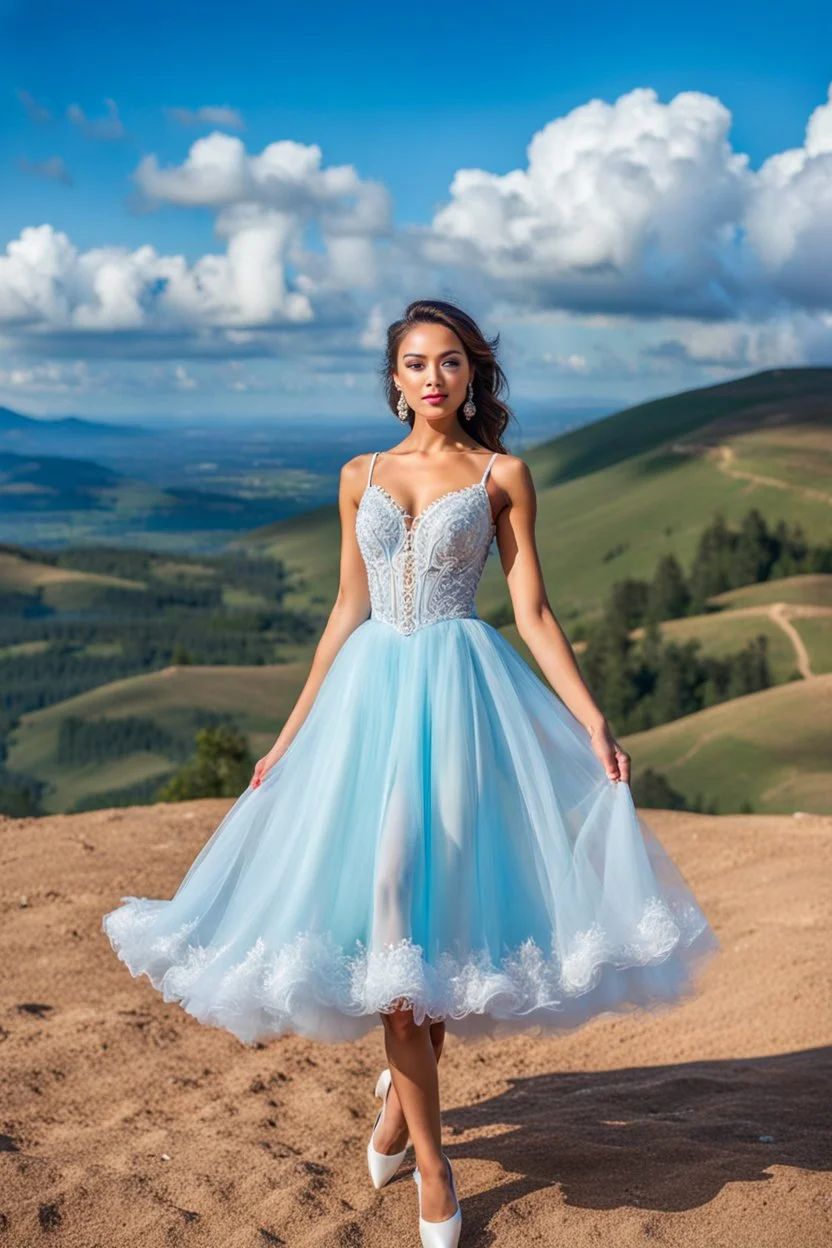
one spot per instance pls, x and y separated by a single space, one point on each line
780 613
724 457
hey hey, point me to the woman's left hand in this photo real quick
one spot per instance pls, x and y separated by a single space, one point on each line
616 761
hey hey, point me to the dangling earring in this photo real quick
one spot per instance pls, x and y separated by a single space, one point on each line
401 407
469 407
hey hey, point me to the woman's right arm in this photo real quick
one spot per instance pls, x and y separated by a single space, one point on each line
351 608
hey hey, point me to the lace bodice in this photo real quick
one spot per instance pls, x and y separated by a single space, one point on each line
428 570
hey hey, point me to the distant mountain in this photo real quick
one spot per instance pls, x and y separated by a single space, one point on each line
38 482
54 485
16 422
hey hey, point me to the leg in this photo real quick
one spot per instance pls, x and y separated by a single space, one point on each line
392 1131
413 1065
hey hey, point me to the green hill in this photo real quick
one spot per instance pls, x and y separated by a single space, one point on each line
617 494
612 498
770 748
259 698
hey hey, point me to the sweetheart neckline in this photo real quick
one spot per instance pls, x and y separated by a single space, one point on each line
462 489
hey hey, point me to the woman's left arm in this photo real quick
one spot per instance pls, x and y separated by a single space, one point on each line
534 617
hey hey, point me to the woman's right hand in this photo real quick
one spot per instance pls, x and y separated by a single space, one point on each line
264 765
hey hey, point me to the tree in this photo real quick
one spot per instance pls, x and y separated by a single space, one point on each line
628 601
710 573
222 767
669 596
653 789
753 553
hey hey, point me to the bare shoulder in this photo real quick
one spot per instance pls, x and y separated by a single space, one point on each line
354 472
512 474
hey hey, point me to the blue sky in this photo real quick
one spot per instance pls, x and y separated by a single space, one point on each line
648 246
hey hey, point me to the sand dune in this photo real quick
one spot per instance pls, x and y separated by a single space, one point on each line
125 1122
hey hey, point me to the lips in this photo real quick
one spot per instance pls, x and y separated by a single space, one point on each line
435 398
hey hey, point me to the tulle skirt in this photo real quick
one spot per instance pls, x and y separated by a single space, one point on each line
438 835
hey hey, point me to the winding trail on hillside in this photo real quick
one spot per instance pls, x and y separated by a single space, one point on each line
780 613
724 457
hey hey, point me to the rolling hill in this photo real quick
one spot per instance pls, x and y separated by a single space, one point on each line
612 498
617 494
770 748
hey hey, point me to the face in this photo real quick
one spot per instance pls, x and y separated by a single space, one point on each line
432 360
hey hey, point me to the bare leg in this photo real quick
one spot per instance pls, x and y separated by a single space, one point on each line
412 1057
392 1131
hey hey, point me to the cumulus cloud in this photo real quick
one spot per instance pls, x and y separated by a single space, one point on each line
264 204
625 212
286 177
789 216
782 341
48 286
208 115
631 206
645 208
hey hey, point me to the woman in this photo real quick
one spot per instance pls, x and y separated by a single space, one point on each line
435 839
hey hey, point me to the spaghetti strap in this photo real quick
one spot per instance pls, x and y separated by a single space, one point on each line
372 464
488 467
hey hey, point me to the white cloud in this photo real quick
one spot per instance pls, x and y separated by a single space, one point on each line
267 277
789 218
627 206
783 341
635 214
645 208
286 177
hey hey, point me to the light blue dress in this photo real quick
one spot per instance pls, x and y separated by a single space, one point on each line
438 833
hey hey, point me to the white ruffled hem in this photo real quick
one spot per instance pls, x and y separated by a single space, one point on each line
313 987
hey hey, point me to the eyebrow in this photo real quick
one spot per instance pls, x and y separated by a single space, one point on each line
419 356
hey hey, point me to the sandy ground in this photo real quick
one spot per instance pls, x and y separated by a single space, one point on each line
124 1121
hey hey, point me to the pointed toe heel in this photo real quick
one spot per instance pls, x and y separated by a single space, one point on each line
444 1234
383 1166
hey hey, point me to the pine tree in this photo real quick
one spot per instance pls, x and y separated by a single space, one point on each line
753 551
222 767
710 573
653 790
669 595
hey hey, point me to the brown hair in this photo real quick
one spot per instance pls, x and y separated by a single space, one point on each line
492 415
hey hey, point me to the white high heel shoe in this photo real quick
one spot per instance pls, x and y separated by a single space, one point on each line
444 1234
383 1166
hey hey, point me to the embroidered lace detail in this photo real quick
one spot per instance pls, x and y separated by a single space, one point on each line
264 992
428 570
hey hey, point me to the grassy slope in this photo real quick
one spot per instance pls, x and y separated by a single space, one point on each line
769 747
616 483
619 482
260 698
